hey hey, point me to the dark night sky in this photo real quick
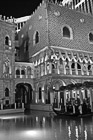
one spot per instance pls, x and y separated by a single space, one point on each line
18 8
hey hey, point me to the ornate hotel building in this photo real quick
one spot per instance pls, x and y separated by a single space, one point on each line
55 50
58 41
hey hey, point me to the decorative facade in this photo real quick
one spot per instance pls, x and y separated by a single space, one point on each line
7 62
59 42
55 49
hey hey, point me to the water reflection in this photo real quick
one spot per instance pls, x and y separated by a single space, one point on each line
45 126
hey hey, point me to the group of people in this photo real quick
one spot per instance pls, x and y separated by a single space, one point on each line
75 106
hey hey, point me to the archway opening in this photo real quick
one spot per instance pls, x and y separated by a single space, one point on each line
23 93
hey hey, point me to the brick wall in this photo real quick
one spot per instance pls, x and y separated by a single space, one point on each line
71 18
50 30
34 24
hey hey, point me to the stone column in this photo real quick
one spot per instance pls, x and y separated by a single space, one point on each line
26 74
15 105
1 106
91 99
20 73
43 96
58 71
92 68
51 98
58 98
64 64
45 68
75 61
76 68
22 105
50 67
42 69
70 62
70 67
65 101
36 97
82 66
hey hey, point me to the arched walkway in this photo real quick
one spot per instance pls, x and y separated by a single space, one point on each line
53 91
54 95
23 93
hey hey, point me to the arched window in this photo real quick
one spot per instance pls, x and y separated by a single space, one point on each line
29 70
23 72
78 66
73 65
67 32
17 72
61 61
36 38
53 66
7 92
7 41
91 37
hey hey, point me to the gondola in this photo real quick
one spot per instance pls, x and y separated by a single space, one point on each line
59 113
78 104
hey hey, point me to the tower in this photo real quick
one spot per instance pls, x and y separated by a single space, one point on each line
7 61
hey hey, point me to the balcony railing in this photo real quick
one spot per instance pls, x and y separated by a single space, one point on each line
90 72
73 71
54 71
24 76
67 71
79 72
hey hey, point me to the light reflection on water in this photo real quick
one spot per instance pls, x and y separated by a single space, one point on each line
44 126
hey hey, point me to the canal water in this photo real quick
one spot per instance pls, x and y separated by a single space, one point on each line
36 125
